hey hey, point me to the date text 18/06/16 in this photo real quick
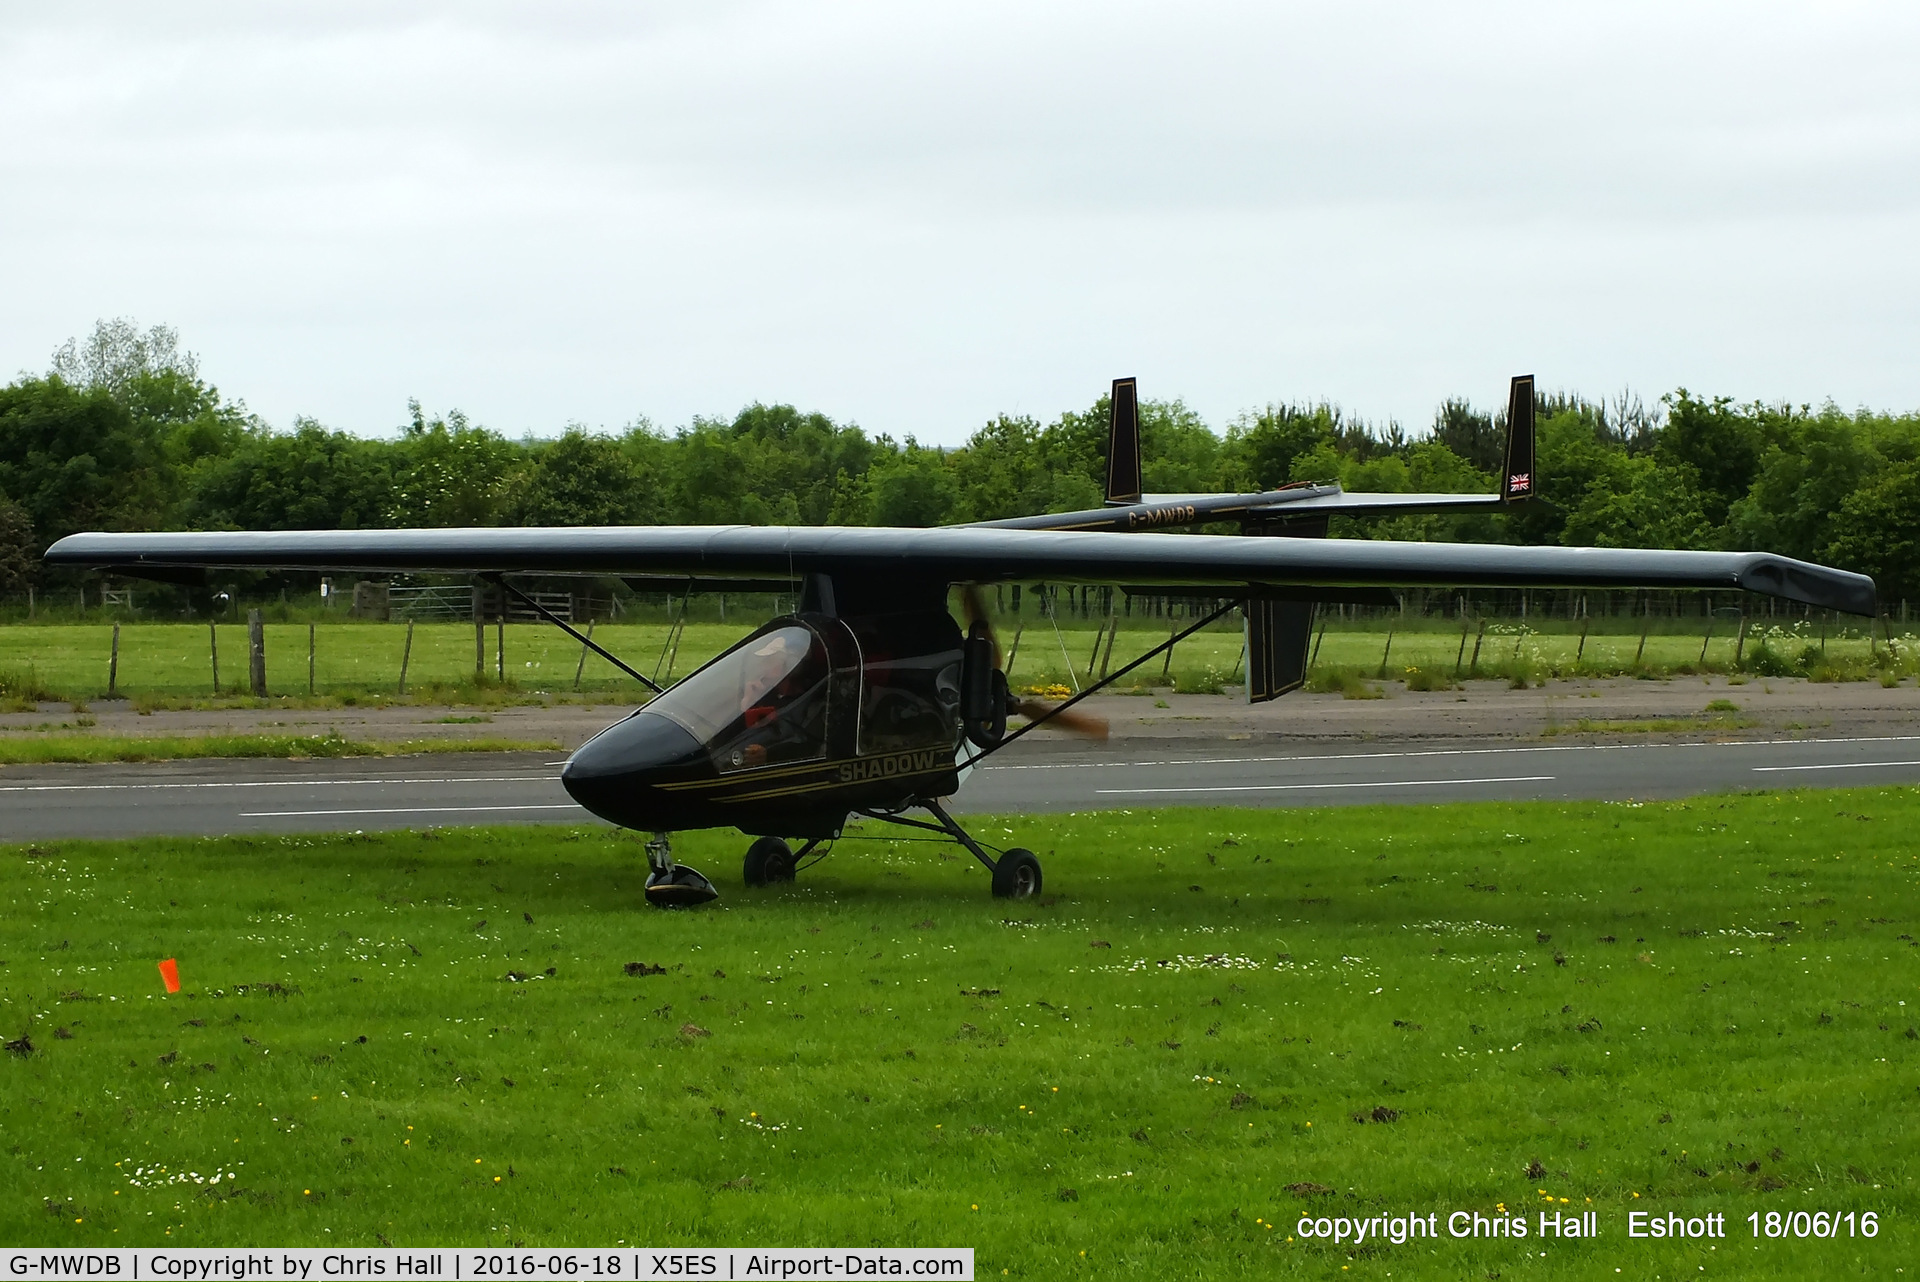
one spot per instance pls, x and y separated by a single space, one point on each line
1773 1224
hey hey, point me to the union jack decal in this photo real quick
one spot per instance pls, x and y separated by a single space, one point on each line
1520 483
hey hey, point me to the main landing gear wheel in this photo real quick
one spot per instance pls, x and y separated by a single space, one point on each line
768 860
1016 875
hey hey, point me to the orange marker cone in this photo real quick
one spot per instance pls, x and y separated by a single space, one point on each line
170 974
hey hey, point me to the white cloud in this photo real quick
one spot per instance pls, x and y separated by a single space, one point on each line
917 216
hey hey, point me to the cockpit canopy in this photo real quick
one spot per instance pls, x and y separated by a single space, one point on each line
806 687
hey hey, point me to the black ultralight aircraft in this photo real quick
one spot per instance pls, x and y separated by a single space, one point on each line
869 700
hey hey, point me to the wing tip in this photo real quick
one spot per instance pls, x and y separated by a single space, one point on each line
1815 585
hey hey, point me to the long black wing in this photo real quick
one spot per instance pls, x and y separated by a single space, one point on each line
968 554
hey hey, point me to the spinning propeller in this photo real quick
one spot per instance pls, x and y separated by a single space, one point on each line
1035 710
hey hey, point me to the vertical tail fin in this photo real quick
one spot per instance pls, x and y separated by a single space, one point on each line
1516 479
1123 444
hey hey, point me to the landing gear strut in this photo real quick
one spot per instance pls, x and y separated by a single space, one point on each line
1016 874
671 885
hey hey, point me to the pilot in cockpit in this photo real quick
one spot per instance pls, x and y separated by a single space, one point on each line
768 664
773 676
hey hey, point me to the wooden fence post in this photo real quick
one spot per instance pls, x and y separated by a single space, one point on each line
406 656
213 650
256 655
1384 653
500 642
1478 637
479 634
113 666
1466 626
310 649
581 670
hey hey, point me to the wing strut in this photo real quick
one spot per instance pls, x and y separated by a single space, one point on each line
575 633
1104 682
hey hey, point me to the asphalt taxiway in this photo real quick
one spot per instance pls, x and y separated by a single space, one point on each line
217 797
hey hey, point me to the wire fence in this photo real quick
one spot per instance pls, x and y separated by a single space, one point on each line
1052 639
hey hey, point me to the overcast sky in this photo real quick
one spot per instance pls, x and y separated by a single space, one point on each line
917 215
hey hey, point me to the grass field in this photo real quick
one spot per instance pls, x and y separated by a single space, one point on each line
1214 1023
166 665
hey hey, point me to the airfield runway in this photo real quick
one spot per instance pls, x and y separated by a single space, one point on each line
214 797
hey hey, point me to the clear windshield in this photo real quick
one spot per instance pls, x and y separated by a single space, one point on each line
762 702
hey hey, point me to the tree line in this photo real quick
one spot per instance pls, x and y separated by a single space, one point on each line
122 432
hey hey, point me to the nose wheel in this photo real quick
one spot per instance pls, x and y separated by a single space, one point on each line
672 885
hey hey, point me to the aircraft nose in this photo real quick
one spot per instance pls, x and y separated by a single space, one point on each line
605 772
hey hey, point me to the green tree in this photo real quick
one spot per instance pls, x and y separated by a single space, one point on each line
1000 471
914 488
1272 448
1480 439
307 479
578 479
1179 453
711 480
1877 531
118 357
75 459
1634 501
447 472
18 554
1720 443
1803 481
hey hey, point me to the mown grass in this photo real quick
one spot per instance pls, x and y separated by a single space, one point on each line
171 664
1708 724
49 748
434 1037
166 665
